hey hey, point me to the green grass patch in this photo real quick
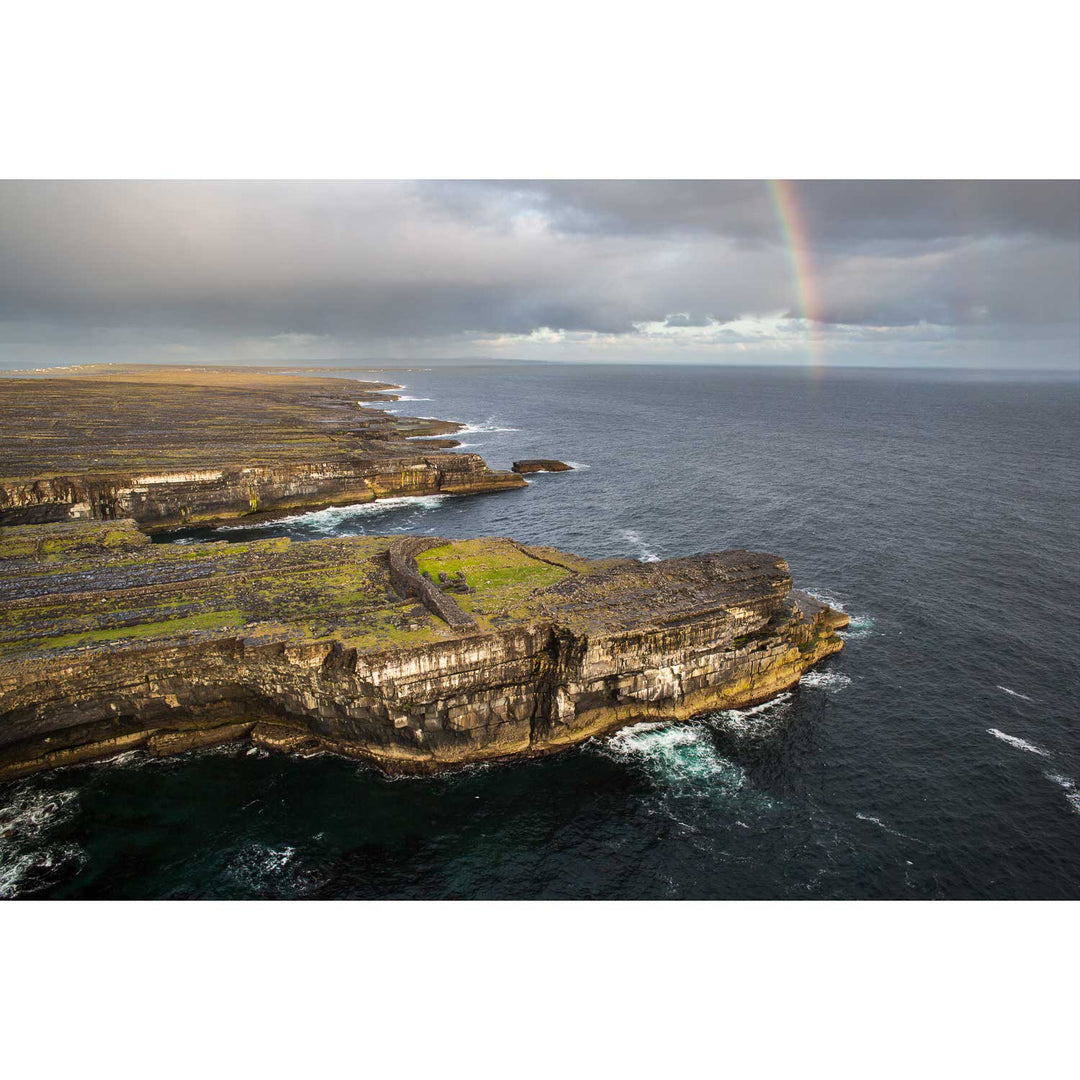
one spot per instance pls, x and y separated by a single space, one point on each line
211 620
502 576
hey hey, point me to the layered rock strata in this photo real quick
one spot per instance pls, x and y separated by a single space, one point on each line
109 643
173 446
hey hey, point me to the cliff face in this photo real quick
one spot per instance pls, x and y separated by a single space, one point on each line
170 446
110 644
170 498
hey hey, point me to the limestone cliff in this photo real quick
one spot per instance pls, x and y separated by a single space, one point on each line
109 643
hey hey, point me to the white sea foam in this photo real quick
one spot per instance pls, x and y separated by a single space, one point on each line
1072 793
36 868
881 825
825 680
755 722
683 763
128 757
645 553
577 465
255 866
1014 693
30 812
680 753
409 397
1020 744
328 520
486 427
28 857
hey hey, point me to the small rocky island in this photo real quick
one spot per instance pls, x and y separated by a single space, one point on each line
533 465
414 653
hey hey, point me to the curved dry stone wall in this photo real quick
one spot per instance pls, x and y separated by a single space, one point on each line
408 580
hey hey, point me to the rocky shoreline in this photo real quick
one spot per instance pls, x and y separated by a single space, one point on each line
182 446
412 653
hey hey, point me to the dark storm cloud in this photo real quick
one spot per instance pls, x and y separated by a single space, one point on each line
365 265
834 211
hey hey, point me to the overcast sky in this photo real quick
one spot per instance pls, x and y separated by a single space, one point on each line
960 273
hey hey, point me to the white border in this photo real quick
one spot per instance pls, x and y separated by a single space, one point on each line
930 88
547 989
567 89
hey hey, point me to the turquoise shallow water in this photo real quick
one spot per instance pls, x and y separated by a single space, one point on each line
938 756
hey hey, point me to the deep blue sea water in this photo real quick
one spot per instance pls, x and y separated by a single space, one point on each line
937 756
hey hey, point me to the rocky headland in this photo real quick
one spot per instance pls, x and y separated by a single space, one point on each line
169 446
413 653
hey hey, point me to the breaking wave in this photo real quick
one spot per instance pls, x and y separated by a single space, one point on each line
755 722
409 397
29 858
645 553
680 754
1072 793
578 465
1020 744
328 521
687 771
1014 693
489 426
825 680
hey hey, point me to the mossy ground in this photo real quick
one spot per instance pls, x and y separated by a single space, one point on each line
504 577
80 584
93 584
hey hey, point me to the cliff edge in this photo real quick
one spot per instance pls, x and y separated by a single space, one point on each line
110 643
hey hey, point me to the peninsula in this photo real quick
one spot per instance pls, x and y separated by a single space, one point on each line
171 446
413 653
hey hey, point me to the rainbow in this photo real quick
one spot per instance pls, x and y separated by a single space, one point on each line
797 238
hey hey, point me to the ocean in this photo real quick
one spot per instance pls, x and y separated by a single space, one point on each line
938 756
